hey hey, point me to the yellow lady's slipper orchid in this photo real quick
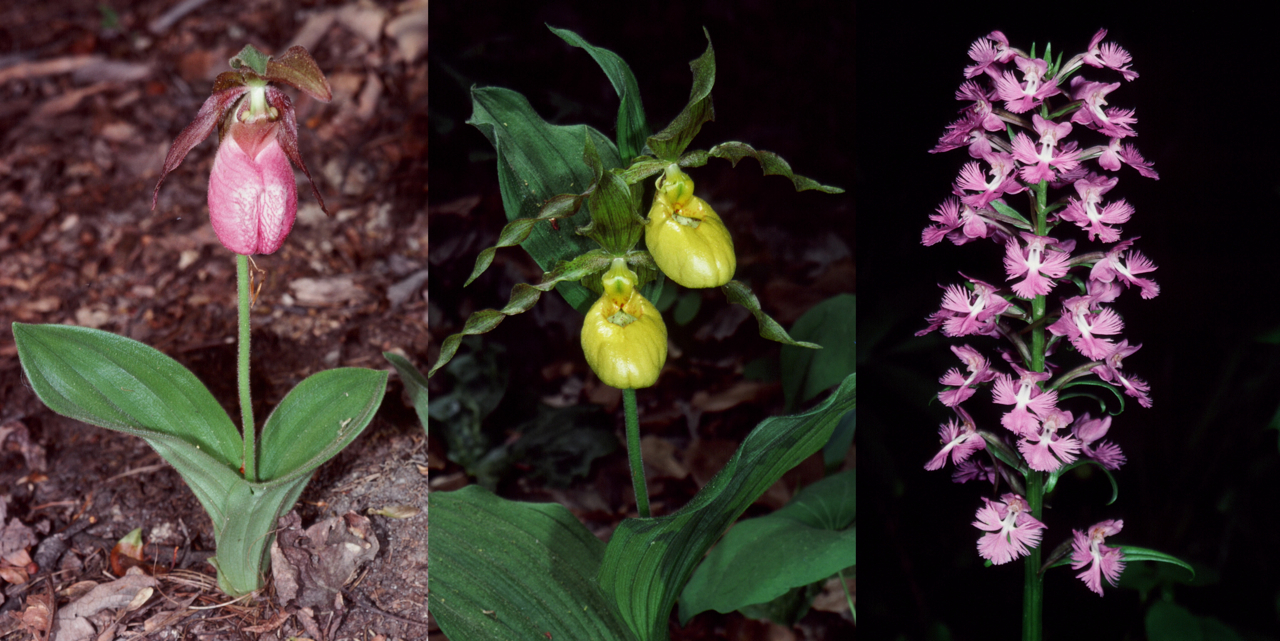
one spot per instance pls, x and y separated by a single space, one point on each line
687 239
623 336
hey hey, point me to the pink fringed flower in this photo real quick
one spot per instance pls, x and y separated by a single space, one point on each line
1046 450
1025 397
1011 530
1038 265
959 441
1087 549
1090 430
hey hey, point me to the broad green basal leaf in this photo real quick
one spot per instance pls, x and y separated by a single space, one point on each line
648 561
317 419
120 384
508 570
806 372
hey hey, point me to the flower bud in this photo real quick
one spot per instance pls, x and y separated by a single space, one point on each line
623 336
253 198
687 239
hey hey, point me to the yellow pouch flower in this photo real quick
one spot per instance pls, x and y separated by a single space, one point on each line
686 237
623 336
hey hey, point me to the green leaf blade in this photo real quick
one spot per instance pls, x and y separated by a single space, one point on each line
737 292
538 161
668 144
507 570
772 164
414 383
807 373
760 559
648 561
318 418
120 384
631 124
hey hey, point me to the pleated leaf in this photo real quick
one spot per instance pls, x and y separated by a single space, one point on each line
648 561
760 559
508 570
538 161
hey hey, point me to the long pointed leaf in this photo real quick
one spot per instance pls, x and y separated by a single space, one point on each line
760 559
414 383
631 125
648 561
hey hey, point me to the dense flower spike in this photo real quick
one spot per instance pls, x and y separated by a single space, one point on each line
623 336
1059 138
253 197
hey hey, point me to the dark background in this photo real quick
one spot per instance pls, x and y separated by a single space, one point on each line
784 83
1203 469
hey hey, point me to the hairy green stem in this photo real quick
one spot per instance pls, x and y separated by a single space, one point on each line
242 366
633 452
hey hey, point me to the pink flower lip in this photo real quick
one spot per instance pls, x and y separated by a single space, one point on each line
253 200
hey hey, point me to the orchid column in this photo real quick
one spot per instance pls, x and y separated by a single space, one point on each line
1017 127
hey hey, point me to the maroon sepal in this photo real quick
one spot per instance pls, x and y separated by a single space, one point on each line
211 112
287 136
299 70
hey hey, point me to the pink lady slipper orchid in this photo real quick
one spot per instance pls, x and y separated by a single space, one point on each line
253 197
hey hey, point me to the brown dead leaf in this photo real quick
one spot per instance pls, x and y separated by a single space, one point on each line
364 20
13 574
15 539
409 30
37 618
740 392
321 559
334 291
72 622
832 597
273 623
39 68
660 456
16 433
167 618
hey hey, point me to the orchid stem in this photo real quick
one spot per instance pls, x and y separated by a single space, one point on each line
1033 586
633 452
242 366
